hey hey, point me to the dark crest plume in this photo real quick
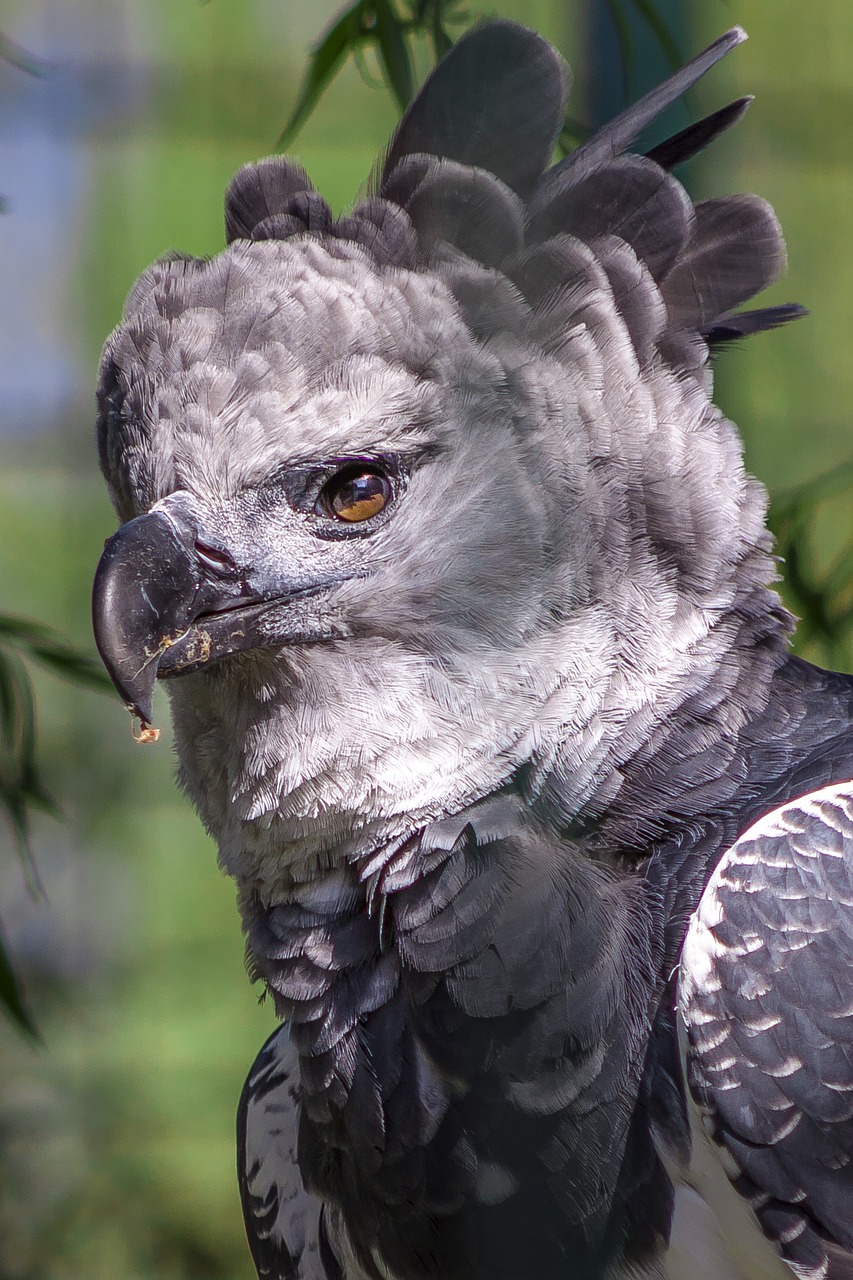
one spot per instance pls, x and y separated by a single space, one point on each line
466 176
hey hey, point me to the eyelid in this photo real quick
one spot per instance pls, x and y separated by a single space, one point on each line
302 483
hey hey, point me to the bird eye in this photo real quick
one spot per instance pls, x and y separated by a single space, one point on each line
357 493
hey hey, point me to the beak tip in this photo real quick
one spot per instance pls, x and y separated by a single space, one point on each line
145 582
143 711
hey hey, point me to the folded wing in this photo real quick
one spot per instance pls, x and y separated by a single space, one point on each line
283 1220
766 1004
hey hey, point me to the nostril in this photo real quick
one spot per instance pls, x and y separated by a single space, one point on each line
215 558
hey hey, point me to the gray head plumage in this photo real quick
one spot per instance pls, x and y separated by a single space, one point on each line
568 547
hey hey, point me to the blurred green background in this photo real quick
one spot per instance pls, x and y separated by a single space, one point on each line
116 1136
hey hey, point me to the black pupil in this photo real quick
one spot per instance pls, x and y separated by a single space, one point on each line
359 496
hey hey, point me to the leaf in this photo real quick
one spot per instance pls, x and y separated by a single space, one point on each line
800 498
393 52
12 997
840 575
429 17
441 42
371 80
51 650
324 61
661 31
21 786
73 666
819 595
19 57
17 715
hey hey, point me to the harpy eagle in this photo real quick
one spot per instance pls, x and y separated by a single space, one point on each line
543 841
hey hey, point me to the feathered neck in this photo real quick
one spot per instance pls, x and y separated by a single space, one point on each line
308 760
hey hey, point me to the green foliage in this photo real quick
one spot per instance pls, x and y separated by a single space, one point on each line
17 56
22 787
11 995
375 25
44 646
819 592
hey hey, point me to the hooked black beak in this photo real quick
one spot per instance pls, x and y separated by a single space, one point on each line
157 611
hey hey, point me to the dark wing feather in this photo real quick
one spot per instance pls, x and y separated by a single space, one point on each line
742 324
631 198
736 250
467 208
283 1220
463 184
618 134
766 997
496 101
261 191
683 146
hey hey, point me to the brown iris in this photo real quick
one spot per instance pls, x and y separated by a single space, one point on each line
355 494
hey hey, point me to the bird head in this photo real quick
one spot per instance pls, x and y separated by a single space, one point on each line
313 447
415 497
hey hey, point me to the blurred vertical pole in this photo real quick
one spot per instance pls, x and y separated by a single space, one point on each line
622 57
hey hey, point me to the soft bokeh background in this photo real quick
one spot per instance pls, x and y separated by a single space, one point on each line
116 1146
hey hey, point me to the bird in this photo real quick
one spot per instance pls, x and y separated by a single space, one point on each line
465 605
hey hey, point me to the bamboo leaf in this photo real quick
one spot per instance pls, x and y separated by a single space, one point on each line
17 56
393 52
8 703
424 12
17 713
21 786
49 649
323 63
806 495
840 575
429 18
73 666
372 81
12 997
441 42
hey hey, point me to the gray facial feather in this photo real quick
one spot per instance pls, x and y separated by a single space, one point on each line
571 539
